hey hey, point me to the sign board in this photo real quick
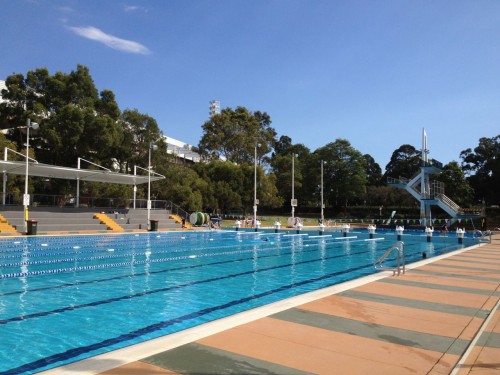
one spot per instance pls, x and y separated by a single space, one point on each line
26 199
293 202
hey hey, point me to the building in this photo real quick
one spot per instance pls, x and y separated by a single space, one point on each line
2 87
181 150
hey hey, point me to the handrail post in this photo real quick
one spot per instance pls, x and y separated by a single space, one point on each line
404 257
399 261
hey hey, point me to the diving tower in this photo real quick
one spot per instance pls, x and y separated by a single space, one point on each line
428 193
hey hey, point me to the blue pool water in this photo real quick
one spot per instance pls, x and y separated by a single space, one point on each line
66 298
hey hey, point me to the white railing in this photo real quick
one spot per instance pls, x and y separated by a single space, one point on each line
447 201
400 180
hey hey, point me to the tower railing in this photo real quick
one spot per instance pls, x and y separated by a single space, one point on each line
448 202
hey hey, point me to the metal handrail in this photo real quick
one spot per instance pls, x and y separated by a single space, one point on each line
399 247
482 236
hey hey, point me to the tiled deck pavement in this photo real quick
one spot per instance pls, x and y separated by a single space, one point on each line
419 323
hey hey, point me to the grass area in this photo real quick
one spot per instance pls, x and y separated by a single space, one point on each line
268 221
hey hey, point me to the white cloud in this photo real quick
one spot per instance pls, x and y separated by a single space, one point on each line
65 9
111 41
130 8
135 8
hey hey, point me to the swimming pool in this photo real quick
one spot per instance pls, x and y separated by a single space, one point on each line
66 298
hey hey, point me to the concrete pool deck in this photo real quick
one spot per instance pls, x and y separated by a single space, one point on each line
441 317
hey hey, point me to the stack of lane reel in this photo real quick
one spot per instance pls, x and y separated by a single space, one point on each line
199 219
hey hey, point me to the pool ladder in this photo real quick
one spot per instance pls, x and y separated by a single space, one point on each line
399 248
484 237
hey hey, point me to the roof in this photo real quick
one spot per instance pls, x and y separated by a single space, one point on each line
52 171
181 149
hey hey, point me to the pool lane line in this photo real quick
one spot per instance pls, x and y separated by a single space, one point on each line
137 262
169 270
69 252
75 352
68 244
72 252
174 287
166 289
120 264
179 269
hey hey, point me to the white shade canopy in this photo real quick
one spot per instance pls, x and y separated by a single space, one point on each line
53 171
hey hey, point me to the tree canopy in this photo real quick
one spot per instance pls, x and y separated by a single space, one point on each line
78 120
233 135
482 165
345 172
456 185
75 121
405 162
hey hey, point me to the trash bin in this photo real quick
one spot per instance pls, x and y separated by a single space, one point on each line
32 227
153 225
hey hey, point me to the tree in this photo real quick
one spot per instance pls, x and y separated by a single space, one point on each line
74 120
139 130
283 145
344 172
389 196
225 184
482 165
457 187
15 183
373 171
282 168
233 136
183 186
268 192
405 162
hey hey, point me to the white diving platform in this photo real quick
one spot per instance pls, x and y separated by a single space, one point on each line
427 193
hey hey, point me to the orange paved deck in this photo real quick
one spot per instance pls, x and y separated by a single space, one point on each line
439 318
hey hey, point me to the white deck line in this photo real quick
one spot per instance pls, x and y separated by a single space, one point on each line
120 357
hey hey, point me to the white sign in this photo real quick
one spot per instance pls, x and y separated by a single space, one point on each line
149 205
294 202
26 199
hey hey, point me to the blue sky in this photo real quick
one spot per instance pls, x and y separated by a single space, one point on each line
372 72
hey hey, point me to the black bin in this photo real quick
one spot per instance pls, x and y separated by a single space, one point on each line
32 227
153 225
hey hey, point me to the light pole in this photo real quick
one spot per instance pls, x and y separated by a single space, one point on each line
255 201
293 202
26 197
152 146
322 205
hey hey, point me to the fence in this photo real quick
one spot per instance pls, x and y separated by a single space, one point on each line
42 200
